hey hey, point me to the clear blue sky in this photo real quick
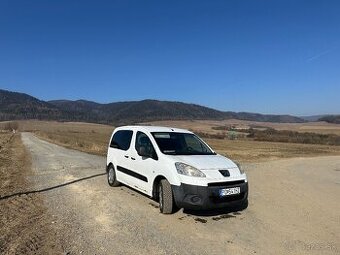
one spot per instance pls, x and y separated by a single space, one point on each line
260 56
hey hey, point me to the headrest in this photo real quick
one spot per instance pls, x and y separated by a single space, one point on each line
144 140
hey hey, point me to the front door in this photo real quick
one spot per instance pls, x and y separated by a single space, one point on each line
144 167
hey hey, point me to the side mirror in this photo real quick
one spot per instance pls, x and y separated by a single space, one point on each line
143 152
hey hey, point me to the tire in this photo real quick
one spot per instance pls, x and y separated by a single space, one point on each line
111 177
166 199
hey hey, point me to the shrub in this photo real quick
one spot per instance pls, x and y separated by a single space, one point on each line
11 125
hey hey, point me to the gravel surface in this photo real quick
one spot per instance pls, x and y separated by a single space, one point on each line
293 209
25 226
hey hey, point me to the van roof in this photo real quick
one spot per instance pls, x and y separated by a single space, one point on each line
154 129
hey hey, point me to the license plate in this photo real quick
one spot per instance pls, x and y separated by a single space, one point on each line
230 191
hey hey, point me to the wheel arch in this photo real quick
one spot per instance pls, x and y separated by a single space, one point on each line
155 184
107 167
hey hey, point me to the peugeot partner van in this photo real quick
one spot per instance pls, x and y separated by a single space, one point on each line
175 167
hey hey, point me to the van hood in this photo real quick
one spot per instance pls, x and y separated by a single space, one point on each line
205 162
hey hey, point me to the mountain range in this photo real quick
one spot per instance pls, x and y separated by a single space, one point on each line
18 106
331 119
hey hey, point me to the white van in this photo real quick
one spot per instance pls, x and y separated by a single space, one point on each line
175 167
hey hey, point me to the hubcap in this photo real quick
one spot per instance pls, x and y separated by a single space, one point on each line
111 174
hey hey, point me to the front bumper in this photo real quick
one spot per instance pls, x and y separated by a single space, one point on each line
207 197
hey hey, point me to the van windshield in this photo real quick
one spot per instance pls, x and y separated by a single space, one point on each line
173 143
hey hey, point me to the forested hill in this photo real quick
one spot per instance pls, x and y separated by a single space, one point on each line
15 106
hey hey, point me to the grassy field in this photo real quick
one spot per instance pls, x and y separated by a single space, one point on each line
257 151
207 125
93 138
86 137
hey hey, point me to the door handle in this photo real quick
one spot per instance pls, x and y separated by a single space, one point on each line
133 158
126 156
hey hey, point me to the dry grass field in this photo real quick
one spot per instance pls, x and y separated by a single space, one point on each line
207 125
86 137
257 151
93 138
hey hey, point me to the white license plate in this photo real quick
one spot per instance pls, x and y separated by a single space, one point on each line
230 191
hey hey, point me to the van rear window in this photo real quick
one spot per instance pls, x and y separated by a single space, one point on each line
121 140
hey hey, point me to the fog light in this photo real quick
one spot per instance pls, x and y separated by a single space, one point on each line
195 199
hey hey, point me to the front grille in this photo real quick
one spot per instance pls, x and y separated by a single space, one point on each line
231 183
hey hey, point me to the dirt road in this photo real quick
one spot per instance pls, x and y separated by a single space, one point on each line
294 209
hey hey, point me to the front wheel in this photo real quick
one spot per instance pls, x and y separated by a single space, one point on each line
166 200
111 177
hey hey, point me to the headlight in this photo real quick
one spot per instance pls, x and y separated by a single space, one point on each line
239 167
188 170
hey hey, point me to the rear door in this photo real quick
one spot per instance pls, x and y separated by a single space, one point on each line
119 146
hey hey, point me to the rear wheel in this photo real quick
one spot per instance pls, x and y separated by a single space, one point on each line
111 177
166 200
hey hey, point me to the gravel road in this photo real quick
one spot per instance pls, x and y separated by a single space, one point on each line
293 209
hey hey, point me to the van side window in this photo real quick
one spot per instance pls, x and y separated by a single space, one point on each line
142 140
121 140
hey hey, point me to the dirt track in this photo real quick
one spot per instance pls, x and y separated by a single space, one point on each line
25 225
294 209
